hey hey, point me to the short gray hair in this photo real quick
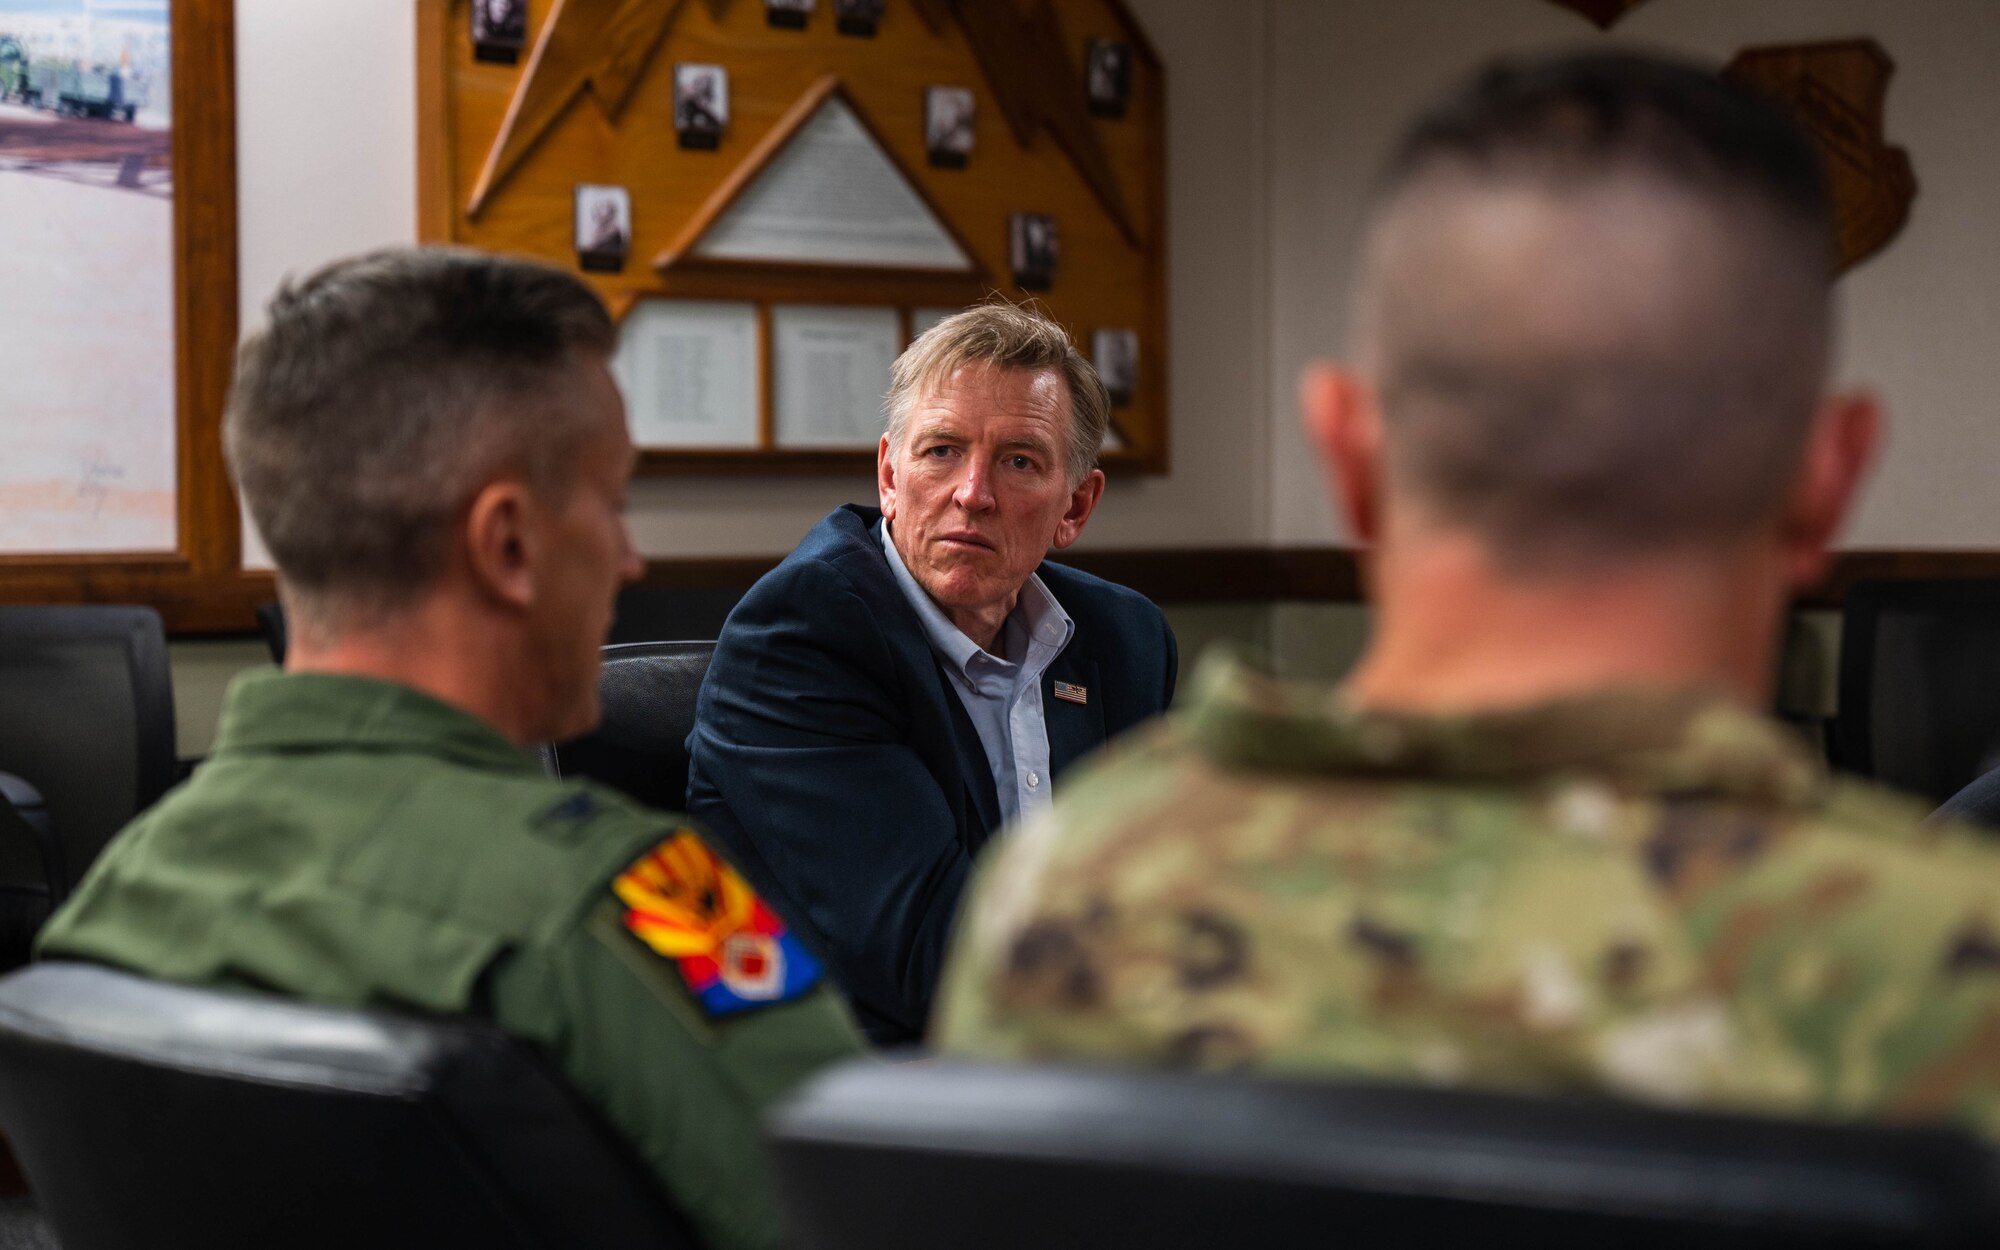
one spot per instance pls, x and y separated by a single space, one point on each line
1005 336
383 393
1552 444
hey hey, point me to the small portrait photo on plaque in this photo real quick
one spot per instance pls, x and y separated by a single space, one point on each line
857 17
499 30
1032 250
701 105
603 227
1109 73
948 126
1116 355
787 14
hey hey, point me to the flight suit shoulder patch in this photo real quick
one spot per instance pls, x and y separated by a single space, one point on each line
688 906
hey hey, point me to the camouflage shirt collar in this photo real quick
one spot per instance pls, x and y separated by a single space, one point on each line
271 711
1650 741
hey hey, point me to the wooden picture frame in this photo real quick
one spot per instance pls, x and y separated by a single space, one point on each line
200 586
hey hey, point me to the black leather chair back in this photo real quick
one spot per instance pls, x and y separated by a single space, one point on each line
32 877
654 613
881 1157
271 624
647 692
1920 683
168 1117
87 717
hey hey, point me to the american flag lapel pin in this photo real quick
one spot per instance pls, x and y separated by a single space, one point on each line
1074 694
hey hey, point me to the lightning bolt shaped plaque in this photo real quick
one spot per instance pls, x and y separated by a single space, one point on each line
600 44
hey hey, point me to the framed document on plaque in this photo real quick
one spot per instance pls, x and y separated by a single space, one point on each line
830 373
689 370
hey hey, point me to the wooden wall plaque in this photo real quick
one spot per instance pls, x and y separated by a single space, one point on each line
1838 90
1067 142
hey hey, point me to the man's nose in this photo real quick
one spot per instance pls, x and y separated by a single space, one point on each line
974 492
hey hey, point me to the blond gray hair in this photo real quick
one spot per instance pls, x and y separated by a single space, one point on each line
1005 336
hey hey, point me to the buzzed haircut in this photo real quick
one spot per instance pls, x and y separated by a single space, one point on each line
1646 383
1005 336
383 393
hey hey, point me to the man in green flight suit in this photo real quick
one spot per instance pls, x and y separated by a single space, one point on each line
434 449
1539 839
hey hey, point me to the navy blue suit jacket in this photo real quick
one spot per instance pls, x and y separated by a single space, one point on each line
840 772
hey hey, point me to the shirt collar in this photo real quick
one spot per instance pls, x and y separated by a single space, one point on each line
1041 618
272 711
1651 741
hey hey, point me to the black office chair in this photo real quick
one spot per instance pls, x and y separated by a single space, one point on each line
33 879
163 1116
655 613
884 1157
271 624
87 717
1920 683
647 692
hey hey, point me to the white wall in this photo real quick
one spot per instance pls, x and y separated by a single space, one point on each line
1279 110
1922 317
326 100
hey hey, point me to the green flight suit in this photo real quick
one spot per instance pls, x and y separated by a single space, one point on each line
356 842
1652 893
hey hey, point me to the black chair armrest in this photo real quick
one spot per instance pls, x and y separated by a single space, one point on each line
23 814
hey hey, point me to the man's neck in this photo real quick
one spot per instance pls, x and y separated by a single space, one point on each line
983 624
430 649
1453 635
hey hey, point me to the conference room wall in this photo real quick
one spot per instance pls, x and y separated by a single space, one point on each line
1279 109
326 132
1920 318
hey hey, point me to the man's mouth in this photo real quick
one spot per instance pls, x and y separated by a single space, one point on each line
964 539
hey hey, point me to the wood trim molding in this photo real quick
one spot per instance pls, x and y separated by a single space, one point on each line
195 605
1322 574
199 587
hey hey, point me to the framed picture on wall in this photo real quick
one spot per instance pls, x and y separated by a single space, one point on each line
1116 355
603 227
857 17
121 237
499 30
948 126
701 105
1108 76
1033 247
788 14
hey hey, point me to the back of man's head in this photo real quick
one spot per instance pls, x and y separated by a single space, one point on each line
383 393
1594 306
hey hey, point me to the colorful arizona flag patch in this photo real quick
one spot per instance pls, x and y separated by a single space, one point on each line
734 953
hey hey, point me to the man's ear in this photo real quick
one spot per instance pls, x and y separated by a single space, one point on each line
1337 408
885 478
1839 450
1082 502
501 542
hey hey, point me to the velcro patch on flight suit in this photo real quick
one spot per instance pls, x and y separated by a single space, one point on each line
682 900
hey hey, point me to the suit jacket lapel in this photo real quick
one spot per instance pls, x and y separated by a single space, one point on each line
1075 729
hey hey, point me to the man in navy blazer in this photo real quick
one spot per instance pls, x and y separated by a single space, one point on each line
913 677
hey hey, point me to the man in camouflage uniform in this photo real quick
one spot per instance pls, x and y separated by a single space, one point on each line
433 447
1539 840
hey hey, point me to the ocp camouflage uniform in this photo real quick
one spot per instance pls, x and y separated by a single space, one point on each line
1652 893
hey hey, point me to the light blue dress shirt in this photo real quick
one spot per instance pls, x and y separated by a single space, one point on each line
1002 696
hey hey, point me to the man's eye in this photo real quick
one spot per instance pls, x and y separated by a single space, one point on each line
938 452
1020 462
